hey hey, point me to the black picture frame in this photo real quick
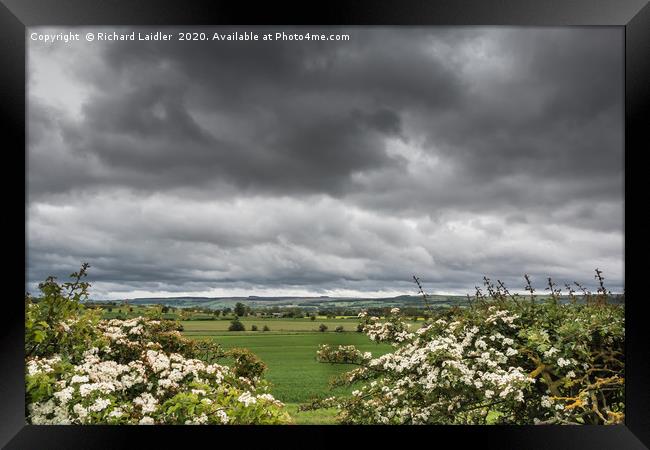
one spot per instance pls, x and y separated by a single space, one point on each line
16 15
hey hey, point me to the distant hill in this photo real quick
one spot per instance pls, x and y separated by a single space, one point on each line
310 303
303 302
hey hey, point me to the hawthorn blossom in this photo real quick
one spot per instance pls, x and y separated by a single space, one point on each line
139 385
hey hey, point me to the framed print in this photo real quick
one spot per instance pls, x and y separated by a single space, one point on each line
350 220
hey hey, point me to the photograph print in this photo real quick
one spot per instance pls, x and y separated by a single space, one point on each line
325 225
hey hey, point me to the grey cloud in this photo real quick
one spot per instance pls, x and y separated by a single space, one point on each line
285 242
447 152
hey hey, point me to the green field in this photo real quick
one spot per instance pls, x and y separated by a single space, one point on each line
293 371
193 327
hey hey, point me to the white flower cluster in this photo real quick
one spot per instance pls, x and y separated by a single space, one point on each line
102 390
444 368
550 352
388 331
502 315
247 399
42 365
563 362
342 353
147 402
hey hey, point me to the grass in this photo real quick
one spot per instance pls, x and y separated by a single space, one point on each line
293 371
317 417
281 325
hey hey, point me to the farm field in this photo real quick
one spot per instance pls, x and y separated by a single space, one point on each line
192 327
293 371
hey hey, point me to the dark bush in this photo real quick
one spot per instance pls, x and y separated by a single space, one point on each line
236 325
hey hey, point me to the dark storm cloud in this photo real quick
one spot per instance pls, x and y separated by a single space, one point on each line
309 115
305 119
447 152
558 112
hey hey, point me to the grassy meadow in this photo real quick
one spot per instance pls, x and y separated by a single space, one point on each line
201 327
289 350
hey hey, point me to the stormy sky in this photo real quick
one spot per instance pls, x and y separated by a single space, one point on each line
327 168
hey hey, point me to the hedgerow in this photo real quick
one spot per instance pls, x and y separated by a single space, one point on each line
83 370
505 359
